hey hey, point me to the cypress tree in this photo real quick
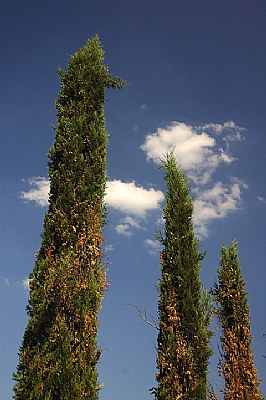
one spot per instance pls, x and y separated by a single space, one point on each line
59 352
237 359
183 339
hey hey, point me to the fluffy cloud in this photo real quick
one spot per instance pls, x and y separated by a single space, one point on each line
196 149
216 203
109 247
26 284
193 147
261 199
227 126
231 132
39 192
127 197
135 201
132 199
6 281
153 246
125 225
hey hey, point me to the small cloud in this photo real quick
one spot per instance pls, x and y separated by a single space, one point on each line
109 247
216 203
125 226
261 199
153 246
160 221
227 126
135 128
143 107
232 132
6 282
123 229
26 284
130 198
39 192
131 222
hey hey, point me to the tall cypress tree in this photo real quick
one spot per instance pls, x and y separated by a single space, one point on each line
59 352
183 339
237 359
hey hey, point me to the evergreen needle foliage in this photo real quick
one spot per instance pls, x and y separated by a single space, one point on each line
237 360
59 352
184 309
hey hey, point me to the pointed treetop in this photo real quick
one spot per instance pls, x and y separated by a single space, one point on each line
89 59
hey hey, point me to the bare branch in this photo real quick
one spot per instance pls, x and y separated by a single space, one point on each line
143 315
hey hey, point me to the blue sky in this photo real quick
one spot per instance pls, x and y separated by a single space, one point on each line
196 74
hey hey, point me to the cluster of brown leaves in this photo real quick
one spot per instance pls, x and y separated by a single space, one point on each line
237 366
175 358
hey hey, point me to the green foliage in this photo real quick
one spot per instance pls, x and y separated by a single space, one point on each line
184 312
59 352
237 360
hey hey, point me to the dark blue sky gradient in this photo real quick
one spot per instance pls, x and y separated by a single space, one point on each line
195 62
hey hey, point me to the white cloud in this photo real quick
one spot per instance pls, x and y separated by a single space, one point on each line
123 229
39 192
126 224
261 199
231 131
190 148
6 282
15 284
216 203
143 107
109 247
196 149
127 197
193 147
26 284
153 246
131 222
132 199
227 126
